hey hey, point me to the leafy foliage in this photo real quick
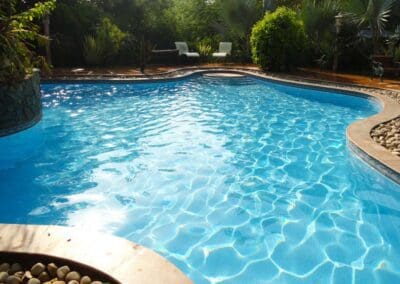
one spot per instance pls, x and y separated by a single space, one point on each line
238 17
394 40
319 23
371 13
204 23
278 40
397 54
71 22
18 33
205 47
105 45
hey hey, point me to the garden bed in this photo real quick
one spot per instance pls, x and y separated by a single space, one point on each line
38 269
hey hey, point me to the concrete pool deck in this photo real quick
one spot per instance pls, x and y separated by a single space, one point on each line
121 259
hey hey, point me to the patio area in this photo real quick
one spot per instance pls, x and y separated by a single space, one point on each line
391 84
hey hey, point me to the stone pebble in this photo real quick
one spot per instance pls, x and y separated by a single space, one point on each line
387 134
42 274
37 269
85 280
63 271
12 279
73 275
34 281
4 267
15 267
3 276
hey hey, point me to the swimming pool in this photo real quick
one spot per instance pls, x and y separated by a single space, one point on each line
233 180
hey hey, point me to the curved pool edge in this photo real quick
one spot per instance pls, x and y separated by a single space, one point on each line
123 260
357 133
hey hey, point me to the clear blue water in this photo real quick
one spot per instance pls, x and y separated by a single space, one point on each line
234 181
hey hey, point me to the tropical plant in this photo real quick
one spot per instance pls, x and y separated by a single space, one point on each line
18 35
71 21
105 45
396 54
373 14
319 23
394 40
239 16
278 40
204 47
92 51
271 5
194 20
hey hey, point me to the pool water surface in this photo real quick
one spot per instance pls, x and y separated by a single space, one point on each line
233 180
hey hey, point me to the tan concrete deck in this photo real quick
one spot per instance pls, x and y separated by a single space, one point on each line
156 70
127 262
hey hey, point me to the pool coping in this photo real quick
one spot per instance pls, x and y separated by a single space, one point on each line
125 261
357 134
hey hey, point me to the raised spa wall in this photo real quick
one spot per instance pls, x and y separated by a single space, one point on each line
20 105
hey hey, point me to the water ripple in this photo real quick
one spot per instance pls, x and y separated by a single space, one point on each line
235 181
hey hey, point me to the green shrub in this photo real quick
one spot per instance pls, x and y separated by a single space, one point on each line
18 35
278 40
93 51
70 22
205 47
105 45
397 54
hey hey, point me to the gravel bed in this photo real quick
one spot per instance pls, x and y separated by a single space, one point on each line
40 273
388 135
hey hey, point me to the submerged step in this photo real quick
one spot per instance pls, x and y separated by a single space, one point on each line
223 75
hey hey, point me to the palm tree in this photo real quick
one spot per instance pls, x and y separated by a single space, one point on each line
372 13
239 17
319 22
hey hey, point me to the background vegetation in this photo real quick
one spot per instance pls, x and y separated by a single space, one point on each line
19 34
282 34
111 32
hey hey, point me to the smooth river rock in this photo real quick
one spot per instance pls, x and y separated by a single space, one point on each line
62 272
37 269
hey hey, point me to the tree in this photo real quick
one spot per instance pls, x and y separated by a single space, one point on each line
278 40
373 14
239 16
319 22
18 34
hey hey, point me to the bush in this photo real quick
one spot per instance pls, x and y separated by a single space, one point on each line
70 22
18 34
278 40
205 47
397 54
105 45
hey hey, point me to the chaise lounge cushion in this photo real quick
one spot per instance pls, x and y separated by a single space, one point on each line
220 54
224 50
191 54
183 49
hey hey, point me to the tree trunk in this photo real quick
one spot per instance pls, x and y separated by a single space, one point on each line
375 39
46 29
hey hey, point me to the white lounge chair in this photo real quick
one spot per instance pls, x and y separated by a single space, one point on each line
225 49
183 49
